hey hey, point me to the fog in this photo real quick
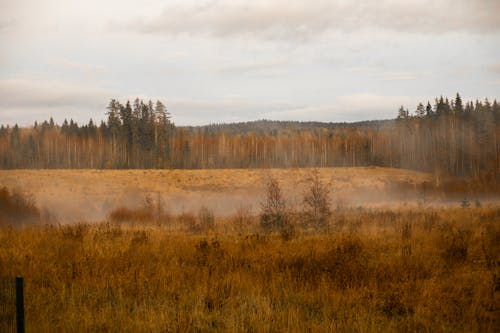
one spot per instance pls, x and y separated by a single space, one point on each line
91 195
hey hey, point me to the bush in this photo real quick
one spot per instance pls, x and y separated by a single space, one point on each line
274 215
317 209
16 208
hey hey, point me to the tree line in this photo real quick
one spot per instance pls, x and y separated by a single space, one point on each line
450 137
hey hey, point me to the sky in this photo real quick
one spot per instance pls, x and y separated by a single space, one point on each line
230 60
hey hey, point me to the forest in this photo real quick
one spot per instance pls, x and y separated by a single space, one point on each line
452 137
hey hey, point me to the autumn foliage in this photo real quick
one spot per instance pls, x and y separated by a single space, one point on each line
450 138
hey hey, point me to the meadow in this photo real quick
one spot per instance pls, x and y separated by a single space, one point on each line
90 195
366 270
296 250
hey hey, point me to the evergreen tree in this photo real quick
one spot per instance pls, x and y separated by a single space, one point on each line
420 111
428 110
113 114
458 108
403 113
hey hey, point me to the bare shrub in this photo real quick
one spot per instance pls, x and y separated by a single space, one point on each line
274 215
317 209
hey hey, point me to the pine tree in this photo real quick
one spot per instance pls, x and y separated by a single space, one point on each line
459 108
420 111
403 113
428 110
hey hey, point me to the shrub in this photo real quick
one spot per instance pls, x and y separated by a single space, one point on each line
317 209
274 215
16 208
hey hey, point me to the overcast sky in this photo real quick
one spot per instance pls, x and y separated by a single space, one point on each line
229 60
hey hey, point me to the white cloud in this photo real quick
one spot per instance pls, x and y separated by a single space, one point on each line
297 19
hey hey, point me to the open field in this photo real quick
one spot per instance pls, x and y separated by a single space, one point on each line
75 195
436 270
395 253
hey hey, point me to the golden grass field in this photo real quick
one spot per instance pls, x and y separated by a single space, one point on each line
436 270
390 258
76 195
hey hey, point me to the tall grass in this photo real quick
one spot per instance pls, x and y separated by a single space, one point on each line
16 208
354 277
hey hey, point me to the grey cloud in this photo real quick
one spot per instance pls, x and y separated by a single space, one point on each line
25 100
226 109
495 68
5 24
30 93
79 66
398 76
300 19
272 68
354 107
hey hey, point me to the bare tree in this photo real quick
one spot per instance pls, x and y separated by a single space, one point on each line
317 208
273 214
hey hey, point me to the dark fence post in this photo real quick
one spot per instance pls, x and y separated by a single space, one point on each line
19 304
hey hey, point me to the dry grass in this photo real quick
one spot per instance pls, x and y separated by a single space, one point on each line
92 194
17 208
369 271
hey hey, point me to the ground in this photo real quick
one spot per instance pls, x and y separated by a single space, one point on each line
75 195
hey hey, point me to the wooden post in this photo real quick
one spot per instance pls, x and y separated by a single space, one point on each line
19 304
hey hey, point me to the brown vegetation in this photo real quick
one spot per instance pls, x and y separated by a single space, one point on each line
16 208
376 270
76 195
